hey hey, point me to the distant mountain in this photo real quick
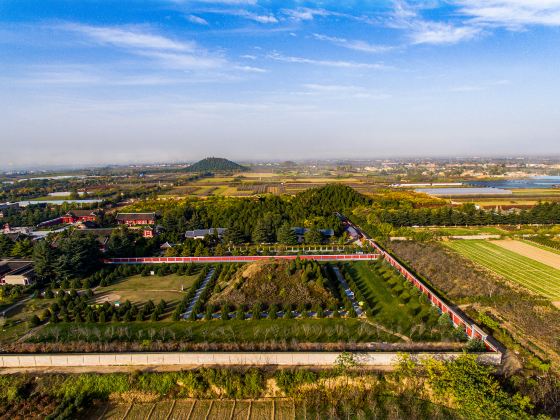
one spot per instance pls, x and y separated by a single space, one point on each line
214 164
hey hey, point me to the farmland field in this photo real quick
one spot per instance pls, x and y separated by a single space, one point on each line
534 252
533 275
546 247
223 409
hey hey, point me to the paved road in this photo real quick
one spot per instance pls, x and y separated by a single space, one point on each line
199 291
6 311
348 291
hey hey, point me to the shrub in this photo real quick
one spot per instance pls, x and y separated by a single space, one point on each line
272 312
240 314
444 321
404 297
208 314
289 380
256 311
34 321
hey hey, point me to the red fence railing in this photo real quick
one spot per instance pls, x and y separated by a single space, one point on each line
241 258
458 318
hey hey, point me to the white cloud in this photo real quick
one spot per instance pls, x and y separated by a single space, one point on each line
442 33
256 17
353 44
472 18
466 88
184 61
352 91
162 51
128 37
197 19
251 69
305 13
512 13
226 2
331 88
327 63
422 31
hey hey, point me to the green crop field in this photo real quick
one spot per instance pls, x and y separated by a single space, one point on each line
464 230
535 276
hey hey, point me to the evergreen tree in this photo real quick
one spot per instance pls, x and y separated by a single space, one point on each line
272 312
240 314
6 245
234 235
22 248
313 236
263 231
256 311
286 235
121 243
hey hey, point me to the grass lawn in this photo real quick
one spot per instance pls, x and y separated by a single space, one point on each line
139 289
384 291
535 276
327 330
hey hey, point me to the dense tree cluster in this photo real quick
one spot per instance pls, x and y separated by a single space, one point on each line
32 214
542 213
73 307
262 220
22 248
67 258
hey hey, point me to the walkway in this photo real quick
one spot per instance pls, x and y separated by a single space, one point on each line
7 310
199 291
259 358
349 293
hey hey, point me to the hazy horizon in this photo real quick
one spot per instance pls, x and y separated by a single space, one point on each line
97 83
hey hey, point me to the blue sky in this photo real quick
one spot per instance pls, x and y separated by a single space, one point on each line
173 80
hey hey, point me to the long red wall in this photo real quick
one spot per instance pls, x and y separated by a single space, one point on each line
458 319
244 258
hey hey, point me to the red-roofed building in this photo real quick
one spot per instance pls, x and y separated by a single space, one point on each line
74 216
133 219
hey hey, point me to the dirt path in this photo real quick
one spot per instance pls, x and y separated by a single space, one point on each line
388 331
546 257
130 369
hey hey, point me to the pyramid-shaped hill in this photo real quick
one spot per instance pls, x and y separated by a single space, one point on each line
214 164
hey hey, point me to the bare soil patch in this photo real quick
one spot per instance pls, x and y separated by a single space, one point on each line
108 297
546 257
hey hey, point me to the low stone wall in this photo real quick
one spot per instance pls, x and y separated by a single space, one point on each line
213 359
